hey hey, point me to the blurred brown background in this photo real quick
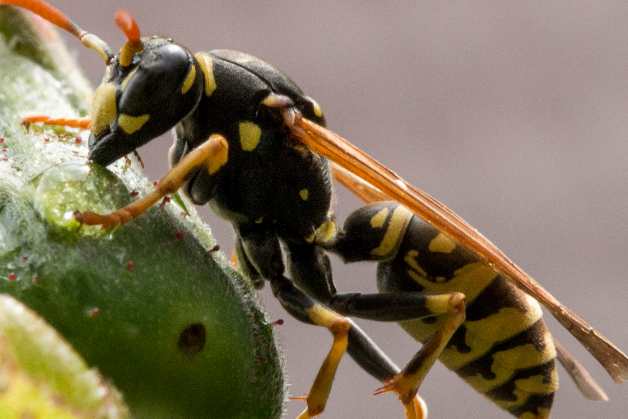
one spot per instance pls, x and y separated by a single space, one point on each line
514 114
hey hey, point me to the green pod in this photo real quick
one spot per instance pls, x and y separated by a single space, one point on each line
178 331
43 377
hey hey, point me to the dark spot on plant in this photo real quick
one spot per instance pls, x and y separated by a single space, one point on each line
192 339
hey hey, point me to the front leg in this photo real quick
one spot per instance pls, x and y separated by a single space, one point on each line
210 156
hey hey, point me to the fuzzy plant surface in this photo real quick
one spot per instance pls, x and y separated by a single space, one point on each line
176 329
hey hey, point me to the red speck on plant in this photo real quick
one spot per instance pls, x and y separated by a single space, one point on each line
134 192
130 266
79 139
164 202
94 312
178 236
12 276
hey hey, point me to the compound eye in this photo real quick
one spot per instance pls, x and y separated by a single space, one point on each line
160 72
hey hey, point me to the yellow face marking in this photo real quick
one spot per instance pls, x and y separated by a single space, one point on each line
127 79
378 220
132 124
250 135
103 108
396 226
260 220
217 160
189 80
442 244
207 67
304 193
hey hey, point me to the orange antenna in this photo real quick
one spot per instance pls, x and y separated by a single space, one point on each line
56 17
125 21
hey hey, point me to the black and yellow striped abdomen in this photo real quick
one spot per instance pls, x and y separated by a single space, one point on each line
503 349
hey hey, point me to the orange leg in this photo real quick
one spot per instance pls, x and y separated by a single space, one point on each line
82 123
210 156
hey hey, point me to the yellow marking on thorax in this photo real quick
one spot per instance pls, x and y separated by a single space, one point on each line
250 134
378 220
207 67
132 124
104 108
304 193
128 78
316 107
442 244
189 80
396 226
323 233
482 334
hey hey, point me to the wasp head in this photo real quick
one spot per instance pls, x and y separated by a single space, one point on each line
148 88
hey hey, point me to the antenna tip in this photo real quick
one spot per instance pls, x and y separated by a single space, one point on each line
125 21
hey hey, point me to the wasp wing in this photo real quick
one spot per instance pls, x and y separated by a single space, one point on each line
349 157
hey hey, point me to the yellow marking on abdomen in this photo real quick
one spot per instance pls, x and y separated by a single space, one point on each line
398 221
207 67
250 134
378 220
482 334
132 124
543 414
507 362
304 193
442 244
470 280
416 270
189 80
526 387
104 108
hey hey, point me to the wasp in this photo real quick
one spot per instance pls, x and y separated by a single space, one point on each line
253 146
